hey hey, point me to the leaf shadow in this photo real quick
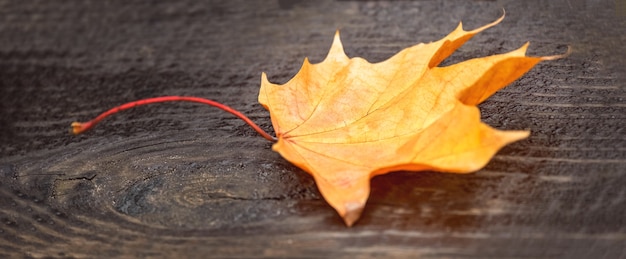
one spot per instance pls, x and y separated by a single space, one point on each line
424 200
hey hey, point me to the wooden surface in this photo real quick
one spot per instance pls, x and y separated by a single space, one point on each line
183 180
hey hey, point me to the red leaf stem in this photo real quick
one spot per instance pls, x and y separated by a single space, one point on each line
80 127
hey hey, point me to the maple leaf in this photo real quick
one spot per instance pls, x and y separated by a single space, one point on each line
346 120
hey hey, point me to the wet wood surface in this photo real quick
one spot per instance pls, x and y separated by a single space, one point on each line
184 180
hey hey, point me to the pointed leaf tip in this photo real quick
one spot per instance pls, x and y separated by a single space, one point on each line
336 52
353 212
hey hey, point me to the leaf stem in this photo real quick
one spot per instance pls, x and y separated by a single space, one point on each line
80 127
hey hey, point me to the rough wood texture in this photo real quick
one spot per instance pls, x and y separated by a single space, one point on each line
183 180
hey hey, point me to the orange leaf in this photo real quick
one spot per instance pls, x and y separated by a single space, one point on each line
346 120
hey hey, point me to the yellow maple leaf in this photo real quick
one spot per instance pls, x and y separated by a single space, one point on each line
346 120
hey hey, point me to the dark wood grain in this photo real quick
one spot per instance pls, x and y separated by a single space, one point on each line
183 180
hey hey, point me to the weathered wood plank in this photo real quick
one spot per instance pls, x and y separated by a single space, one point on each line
182 180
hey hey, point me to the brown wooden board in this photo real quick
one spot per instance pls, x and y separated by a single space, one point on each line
184 180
